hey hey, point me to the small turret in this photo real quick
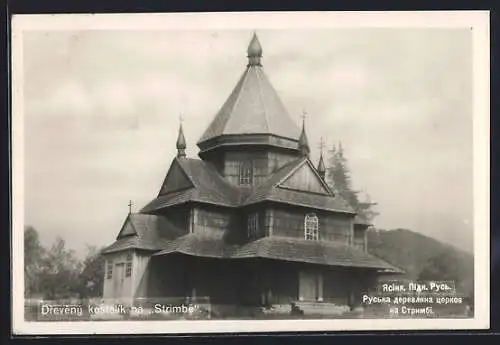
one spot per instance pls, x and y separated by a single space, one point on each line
321 167
303 142
181 143
321 164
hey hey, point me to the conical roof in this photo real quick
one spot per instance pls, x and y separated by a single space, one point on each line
321 164
253 106
181 140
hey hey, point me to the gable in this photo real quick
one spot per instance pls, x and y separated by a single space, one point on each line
305 179
127 229
176 179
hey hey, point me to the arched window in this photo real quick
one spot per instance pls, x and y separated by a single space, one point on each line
246 173
311 227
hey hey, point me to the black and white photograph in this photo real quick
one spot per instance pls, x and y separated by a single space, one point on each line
250 172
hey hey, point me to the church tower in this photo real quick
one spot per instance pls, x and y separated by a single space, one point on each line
252 135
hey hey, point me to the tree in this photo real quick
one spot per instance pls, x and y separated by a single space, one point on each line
33 254
451 267
91 280
60 271
445 266
57 272
339 179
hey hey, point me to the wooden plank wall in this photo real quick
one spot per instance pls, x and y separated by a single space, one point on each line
211 220
264 163
178 216
360 237
332 227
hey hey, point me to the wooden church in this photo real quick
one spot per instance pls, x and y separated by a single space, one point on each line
251 223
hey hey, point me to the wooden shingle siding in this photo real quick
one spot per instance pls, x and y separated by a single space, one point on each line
332 227
211 220
276 160
264 164
360 238
268 222
179 217
233 160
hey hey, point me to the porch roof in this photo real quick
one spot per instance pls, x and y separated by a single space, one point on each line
277 248
134 242
314 252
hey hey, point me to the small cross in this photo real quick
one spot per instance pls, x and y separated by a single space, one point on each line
321 144
181 119
130 206
304 115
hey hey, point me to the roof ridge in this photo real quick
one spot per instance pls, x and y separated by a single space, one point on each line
127 220
208 133
183 168
323 182
242 82
266 115
300 162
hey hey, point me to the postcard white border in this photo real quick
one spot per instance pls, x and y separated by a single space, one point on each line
478 21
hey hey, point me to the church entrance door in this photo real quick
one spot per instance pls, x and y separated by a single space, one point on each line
119 277
310 286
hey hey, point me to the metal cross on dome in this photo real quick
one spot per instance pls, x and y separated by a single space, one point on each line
130 206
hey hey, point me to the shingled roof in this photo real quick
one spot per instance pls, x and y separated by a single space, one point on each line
158 234
315 252
208 187
253 107
270 190
209 245
211 188
149 232
278 248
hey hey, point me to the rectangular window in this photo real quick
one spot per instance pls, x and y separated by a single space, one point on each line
128 267
109 272
246 173
253 225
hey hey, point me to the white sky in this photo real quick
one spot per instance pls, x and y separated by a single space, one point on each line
102 108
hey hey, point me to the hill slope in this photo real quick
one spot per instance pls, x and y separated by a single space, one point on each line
413 252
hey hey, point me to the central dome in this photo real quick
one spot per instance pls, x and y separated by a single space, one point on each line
253 108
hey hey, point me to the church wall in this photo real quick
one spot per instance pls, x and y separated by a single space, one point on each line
278 159
263 223
264 163
167 277
216 280
213 220
140 274
179 216
360 238
337 287
289 222
284 283
109 288
233 160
